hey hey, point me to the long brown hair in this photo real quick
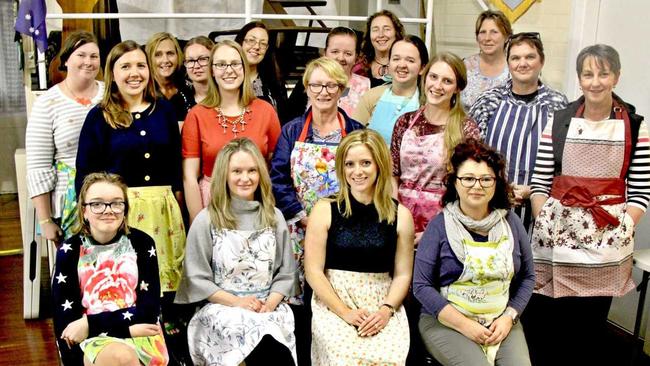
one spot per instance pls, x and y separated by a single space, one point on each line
457 116
220 208
113 106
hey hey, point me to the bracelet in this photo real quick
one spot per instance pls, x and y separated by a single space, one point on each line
46 221
390 307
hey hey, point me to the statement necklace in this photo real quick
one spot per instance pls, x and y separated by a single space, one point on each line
81 100
226 124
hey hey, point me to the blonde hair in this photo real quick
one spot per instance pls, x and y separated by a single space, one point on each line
331 67
220 209
457 116
113 106
103 177
151 47
246 93
384 204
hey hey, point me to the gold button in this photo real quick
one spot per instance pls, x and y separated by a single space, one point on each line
137 116
147 155
143 132
147 178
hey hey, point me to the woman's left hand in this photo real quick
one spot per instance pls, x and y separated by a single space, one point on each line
76 332
374 323
500 329
521 192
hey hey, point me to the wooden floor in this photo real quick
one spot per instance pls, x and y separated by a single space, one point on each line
22 342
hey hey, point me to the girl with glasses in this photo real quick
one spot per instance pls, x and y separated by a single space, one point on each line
474 268
106 290
167 71
303 166
197 64
239 259
230 110
266 79
134 134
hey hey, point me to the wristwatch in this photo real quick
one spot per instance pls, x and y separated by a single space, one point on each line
512 313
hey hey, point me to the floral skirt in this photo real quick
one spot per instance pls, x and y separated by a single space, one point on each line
336 343
155 211
151 351
226 335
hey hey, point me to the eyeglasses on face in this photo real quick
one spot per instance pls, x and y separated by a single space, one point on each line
237 65
485 181
251 42
318 88
96 207
201 61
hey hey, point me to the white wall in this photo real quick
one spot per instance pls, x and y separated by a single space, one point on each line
624 26
454 28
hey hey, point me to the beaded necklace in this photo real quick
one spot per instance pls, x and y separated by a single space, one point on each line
226 124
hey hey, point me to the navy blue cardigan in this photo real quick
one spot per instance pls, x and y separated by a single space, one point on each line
283 189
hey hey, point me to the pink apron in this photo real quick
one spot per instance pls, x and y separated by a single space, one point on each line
423 166
314 177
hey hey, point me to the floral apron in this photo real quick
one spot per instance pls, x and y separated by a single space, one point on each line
482 291
314 177
388 109
242 264
69 204
583 225
423 166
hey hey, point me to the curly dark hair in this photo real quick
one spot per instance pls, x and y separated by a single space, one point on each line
367 49
472 149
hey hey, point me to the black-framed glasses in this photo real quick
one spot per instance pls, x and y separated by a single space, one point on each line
318 88
252 42
485 181
201 61
97 207
237 65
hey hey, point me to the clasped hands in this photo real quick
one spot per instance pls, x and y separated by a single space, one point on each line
367 324
252 303
77 331
490 336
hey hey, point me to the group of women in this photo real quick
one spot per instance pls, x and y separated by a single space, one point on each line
303 222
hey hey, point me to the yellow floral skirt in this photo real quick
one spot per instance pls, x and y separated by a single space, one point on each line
151 351
155 211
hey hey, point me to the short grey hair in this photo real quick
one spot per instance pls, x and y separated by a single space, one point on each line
602 54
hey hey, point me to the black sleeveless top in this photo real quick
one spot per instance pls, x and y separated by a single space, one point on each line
360 243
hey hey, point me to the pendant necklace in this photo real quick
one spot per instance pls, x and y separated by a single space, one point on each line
232 125
81 100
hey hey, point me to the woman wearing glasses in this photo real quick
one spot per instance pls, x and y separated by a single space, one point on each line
134 134
197 64
106 290
303 166
166 67
340 45
590 189
513 115
488 68
380 107
474 268
230 110
266 80
423 140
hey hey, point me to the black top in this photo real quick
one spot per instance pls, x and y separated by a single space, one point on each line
360 243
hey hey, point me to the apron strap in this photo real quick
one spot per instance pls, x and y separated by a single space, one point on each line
619 113
305 128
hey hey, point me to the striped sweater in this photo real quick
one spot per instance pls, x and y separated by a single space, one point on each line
53 135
